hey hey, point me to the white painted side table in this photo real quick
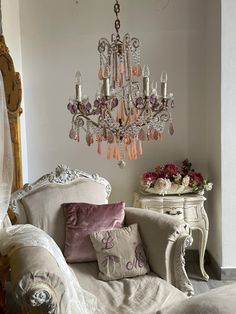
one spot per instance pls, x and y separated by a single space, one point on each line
188 207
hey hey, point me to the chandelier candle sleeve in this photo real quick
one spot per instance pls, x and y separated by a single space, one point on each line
78 86
154 89
127 110
146 83
106 86
164 79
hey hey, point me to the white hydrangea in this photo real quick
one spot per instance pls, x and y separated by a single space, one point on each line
162 186
208 186
186 181
178 178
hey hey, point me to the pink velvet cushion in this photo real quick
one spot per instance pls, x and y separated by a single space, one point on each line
82 219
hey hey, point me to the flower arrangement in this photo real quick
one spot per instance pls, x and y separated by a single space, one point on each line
170 179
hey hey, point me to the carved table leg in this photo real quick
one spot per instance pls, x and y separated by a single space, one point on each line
202 248
203 227
4 268
198 220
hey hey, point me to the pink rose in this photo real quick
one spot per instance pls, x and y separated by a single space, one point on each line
150 177
186 167
197 178
171 170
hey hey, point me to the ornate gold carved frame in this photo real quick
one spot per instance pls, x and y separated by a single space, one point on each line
13 92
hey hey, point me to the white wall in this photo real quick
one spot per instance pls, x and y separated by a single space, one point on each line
11 30
213 105
228 147
59 37
0 17
12 34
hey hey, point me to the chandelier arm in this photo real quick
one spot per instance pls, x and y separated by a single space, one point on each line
75 116
104 44
165 114
110 128
107 112
142 111
160 110
88 119
156 114
105 57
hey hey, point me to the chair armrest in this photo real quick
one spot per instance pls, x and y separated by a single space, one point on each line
165 239
36 279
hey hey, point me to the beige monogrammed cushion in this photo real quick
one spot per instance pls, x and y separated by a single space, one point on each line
119 253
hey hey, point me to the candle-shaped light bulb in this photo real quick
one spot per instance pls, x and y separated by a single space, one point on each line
106 87
107 71
146 84
154 88
78 78
78 86
146 71
98 94
106 80
164 79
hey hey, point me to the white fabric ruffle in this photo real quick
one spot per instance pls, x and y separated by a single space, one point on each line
6 159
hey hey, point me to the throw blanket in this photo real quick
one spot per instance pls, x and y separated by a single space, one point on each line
75 299
216 301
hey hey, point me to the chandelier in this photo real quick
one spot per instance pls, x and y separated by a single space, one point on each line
127 109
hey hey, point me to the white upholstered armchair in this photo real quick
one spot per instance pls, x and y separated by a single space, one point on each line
36 275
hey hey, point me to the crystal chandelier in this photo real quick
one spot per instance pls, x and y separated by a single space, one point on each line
126 110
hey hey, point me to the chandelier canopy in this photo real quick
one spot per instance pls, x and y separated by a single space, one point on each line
126 110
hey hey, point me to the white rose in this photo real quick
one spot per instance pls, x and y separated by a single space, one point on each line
144 184
186 181
208 186
178 178
162 185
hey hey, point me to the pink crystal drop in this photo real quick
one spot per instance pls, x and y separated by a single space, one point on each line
142 135
156 135
89 139
128 140
74 109
139 70
100 75
110 138
135 70
171 128
106 71
121 68
73 134
151 135
121 80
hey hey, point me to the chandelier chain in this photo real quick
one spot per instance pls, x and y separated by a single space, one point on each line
117 21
